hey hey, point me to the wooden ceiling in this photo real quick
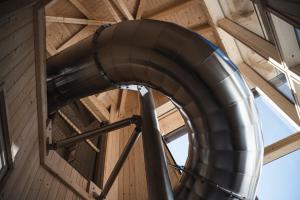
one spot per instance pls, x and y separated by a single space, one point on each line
69 21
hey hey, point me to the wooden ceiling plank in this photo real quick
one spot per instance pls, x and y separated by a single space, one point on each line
140 9
83 33
282 148
172 9
82 9
78 131
112 10
123 8
68 20
96 107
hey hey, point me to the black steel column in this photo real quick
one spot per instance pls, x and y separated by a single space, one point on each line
159 184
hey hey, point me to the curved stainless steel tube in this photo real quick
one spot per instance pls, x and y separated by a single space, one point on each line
226 147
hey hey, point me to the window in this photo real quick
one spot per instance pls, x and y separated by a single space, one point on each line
280 179
274 125
287 41
267 70
179 149
244 13
5 158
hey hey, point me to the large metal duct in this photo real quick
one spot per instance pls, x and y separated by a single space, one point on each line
225 142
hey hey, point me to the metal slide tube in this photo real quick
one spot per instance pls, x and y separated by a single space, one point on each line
159 185
95 132
132 140
225 142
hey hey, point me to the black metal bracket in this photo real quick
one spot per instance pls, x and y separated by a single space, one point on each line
135 119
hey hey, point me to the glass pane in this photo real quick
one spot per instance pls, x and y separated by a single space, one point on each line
280 179
179 149
263 67
274 126
243 13
298 35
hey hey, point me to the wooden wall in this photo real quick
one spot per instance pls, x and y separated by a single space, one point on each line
28 179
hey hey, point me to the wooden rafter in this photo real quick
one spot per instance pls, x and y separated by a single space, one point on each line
123 8
83 33
140 9
112 10
282 148
258 44
68 20
82 9
78 131
202 28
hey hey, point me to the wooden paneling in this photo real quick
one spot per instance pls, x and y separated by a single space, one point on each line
28 178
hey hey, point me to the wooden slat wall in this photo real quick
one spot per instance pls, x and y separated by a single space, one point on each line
28 179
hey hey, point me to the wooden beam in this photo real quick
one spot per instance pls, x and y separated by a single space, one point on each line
172 9
96 108
82 34
112 10
170 122
202 28
122 102
164 108
50 48
78 131
258 44
282 148
123 8
286 106
140 9
82 9
68 20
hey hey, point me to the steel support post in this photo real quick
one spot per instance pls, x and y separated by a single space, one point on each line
90 134
112 177
159 184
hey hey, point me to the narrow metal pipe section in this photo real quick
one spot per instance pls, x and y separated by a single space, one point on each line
90 134
159 184
132 140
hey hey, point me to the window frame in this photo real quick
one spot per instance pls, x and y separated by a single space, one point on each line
4 136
